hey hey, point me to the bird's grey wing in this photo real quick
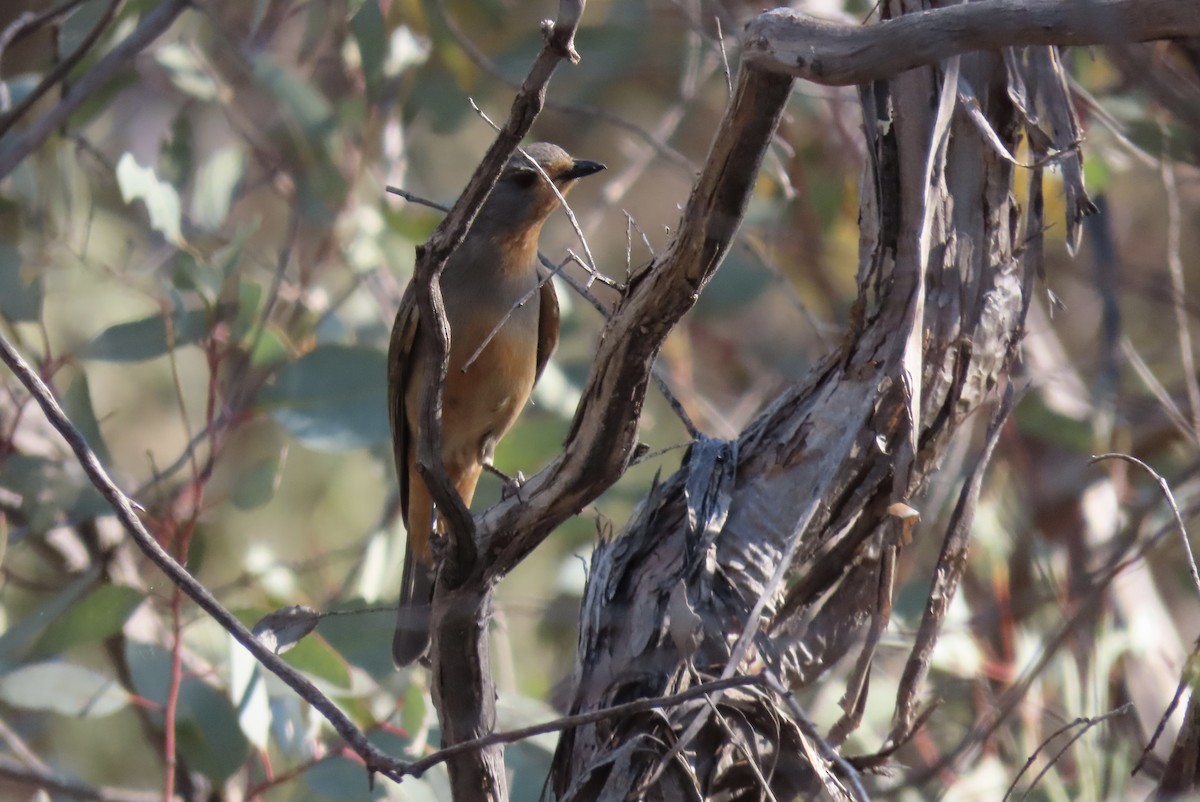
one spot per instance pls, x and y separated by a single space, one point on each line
547 322
402 353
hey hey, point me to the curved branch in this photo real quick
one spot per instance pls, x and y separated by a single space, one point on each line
604 432
837 54
463 689
375 759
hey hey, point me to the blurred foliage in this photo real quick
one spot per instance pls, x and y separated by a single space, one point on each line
203 262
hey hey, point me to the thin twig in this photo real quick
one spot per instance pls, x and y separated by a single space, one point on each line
61 69
1187 681
590 265
724 57
419 767
1175 268
524 299
1086 722
375 759
1166 491
1169 407
152 25
848 772
573 110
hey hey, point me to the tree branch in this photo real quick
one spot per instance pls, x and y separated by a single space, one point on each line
463 688
836 54
153 24
375 759
604 432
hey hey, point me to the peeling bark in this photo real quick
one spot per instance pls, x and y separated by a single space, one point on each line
815 473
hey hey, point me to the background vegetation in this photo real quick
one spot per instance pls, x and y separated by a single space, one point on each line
203 263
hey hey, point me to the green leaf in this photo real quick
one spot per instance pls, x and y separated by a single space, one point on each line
50 491
62 688
77 403
316 656
216 181
333 398
161 199
143 339
280 630
206 722
98 616
412 714
257 485
249 690
21 86
16 641
307 106
78 24
20 293
345 780
186 71
356 638
371 34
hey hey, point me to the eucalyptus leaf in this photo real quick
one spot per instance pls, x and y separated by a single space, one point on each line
206 724
139 340
371 35
332 398
100 615
77 403
63 688
161 199
21 292
216 182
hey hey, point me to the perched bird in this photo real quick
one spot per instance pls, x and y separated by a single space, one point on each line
485 279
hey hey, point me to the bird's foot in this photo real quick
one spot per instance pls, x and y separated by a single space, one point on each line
511 484
513 487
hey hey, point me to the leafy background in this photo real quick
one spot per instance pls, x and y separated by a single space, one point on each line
204 262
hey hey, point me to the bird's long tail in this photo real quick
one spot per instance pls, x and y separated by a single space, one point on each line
412 621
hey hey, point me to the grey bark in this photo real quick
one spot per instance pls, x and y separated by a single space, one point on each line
793 516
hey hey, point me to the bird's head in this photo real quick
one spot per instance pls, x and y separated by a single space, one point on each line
523 198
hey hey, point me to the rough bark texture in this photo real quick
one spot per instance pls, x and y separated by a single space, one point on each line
792 42
803 494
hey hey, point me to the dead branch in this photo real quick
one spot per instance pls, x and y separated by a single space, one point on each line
797 44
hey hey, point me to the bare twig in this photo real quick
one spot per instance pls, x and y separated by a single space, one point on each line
1170 497
951 564
1085 723
375 759
152 25
463 688
1187 681
574 110
724 57
1175 268
61 69
423 765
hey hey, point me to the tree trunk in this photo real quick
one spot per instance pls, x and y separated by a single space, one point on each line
791 527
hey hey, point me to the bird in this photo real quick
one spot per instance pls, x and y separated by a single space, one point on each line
483 284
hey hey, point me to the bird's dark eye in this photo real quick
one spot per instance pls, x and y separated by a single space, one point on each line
524 178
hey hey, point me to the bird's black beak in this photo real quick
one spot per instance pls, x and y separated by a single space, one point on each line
581 168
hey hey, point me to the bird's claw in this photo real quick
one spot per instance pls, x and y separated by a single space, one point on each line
512 486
